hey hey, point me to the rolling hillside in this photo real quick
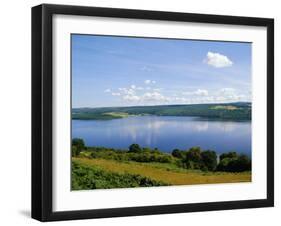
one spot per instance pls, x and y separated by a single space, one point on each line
225 111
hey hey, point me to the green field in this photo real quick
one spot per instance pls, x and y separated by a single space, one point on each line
101 168
227 111
105 173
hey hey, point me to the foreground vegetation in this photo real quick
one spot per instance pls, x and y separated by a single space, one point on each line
104 173
227 111
92 177
99 167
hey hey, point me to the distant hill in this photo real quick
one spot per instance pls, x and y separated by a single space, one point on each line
224 111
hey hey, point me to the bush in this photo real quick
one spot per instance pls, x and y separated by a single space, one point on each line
84 177
74 151
232 154
178 154
193 158
209 159
236 164
223 164
85 154
242 163
77 146
134 148
149 157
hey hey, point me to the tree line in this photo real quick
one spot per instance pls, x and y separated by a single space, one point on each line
242 111
194 158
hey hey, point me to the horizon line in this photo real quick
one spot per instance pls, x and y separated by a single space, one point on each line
164 105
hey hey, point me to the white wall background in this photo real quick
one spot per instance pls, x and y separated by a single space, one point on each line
15 113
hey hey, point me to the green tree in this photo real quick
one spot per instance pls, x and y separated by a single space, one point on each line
193 158
134 148
146 149
236 164
74 151
209 159
77 146
223 164
242 163
178 153
231 155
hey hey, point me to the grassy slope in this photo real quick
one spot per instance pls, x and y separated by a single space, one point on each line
93 177
166 173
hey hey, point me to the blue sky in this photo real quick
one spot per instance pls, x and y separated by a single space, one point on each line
124 71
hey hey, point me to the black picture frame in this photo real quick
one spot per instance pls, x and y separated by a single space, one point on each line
42 111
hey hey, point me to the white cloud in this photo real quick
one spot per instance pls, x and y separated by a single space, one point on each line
131 98
116 94
201 92
226 91
134 87
154 96
230 94
148 81
146 68
180 99
198 92
135 95
218 60
107 90
129 91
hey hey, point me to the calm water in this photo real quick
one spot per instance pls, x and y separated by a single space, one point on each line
165 133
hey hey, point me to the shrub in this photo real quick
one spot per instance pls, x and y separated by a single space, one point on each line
193 158
242 163
232 154
223 164
85 154
237 164
84 177
134 148
178 154
209 159
74 151
78 145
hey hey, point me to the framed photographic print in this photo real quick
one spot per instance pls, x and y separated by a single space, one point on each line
145 112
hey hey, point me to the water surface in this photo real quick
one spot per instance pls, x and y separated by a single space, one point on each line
166 133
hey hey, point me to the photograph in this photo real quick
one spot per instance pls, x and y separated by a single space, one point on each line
144 112
150 111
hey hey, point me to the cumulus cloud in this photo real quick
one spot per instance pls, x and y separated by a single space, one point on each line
198 92
107 90
148 81
135 95
131 98
201 92
115 94
154 96
230 94
218 60
226 92
127 91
